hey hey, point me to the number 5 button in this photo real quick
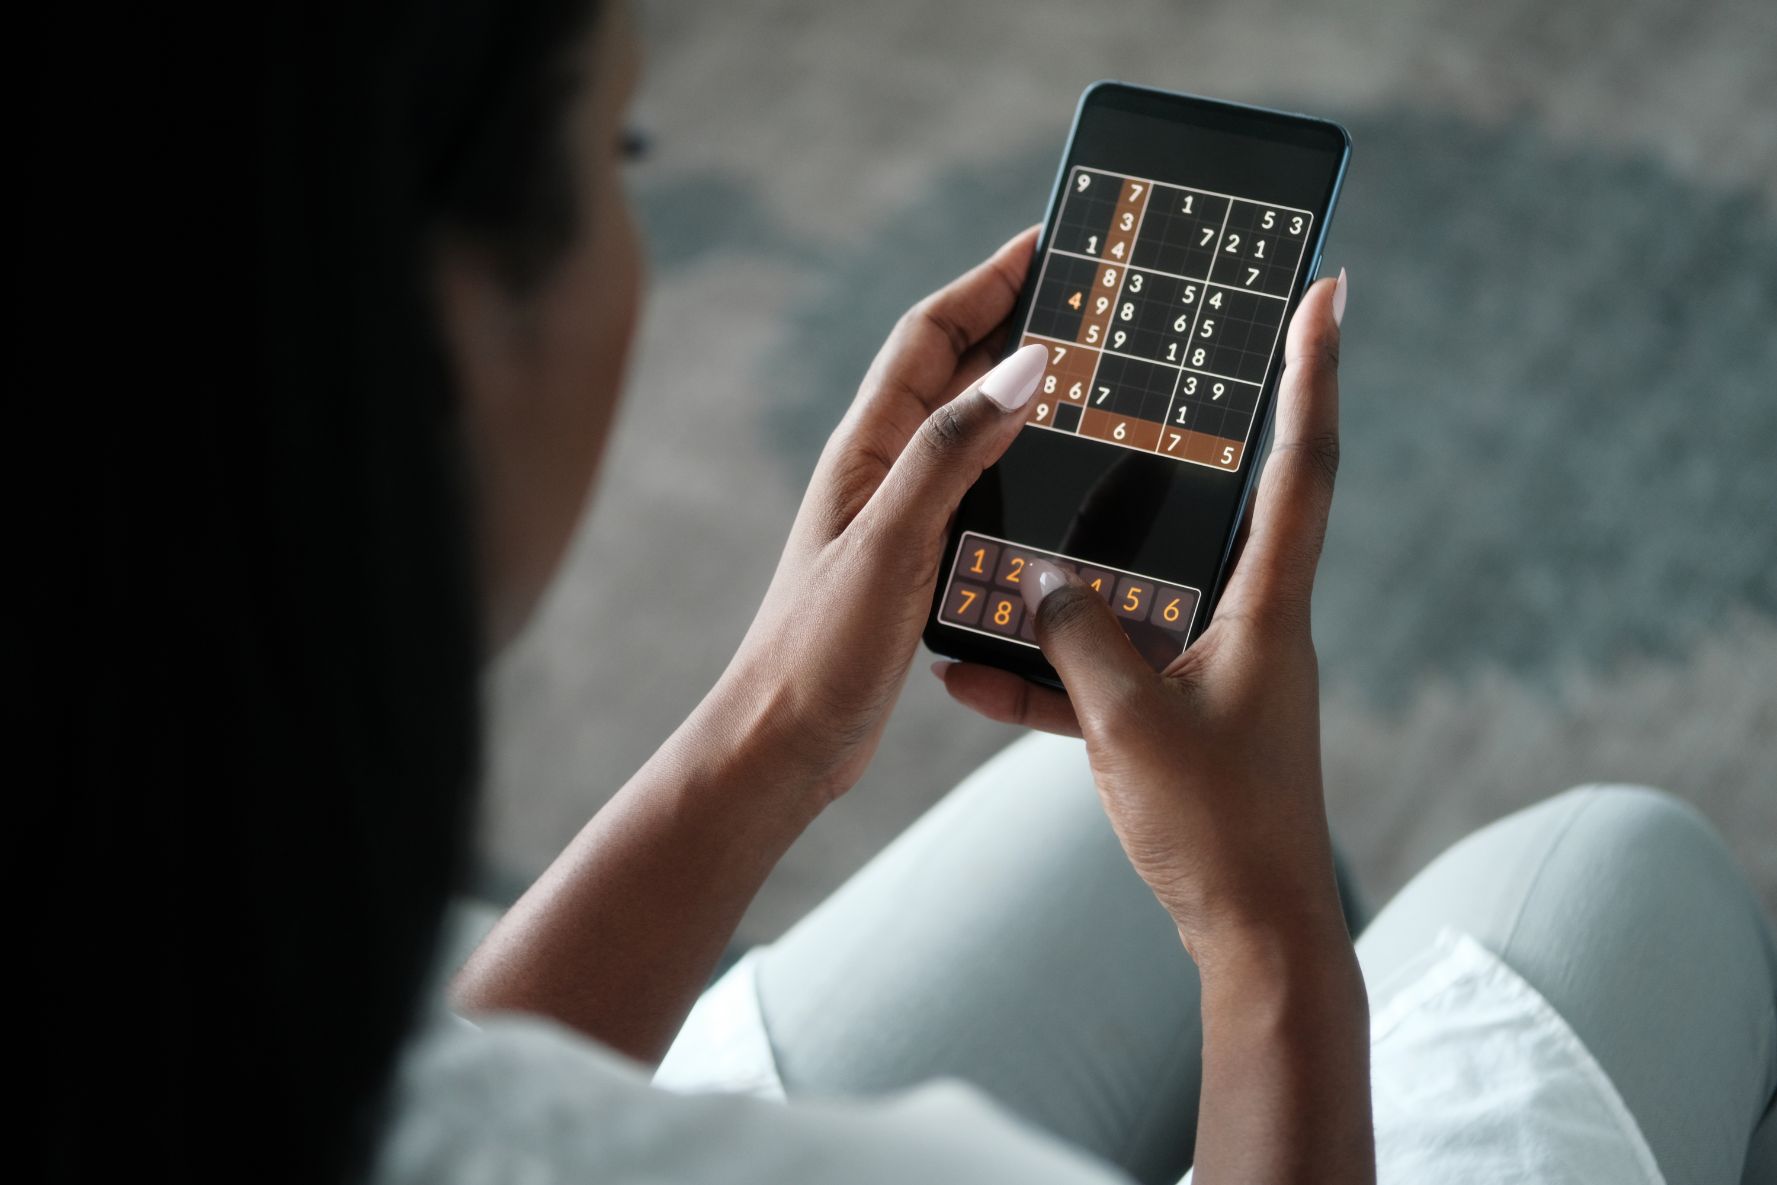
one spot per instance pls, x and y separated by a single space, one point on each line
1132 598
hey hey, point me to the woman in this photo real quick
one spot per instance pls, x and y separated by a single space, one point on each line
457 283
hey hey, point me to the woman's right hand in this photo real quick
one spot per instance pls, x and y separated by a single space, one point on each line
1210 772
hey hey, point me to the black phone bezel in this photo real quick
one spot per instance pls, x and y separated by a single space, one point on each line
1221 115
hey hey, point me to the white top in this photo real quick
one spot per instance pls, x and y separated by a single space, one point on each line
1475 1077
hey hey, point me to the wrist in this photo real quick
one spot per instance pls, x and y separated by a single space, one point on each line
1279 946
1261 898
744 736
1286 1037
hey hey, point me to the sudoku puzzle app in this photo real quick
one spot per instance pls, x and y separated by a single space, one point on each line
1161 307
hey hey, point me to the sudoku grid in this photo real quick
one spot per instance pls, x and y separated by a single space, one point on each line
1161 307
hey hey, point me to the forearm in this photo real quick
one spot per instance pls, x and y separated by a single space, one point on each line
620 934
1286 1085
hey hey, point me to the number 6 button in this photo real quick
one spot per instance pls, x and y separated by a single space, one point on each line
1173 608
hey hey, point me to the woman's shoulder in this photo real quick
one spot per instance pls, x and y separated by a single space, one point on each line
477 1103
521 1099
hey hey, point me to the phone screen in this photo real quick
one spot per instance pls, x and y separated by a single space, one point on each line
1180 236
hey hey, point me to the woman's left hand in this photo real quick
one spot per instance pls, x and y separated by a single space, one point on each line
621 933
825 658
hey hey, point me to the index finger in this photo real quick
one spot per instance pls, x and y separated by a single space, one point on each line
1275 572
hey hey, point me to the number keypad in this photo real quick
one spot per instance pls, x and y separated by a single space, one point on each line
1162 307
985 593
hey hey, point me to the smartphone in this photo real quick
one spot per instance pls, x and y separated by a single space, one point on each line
1181 234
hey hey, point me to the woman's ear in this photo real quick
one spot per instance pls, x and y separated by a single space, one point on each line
481 320
493 370
535 372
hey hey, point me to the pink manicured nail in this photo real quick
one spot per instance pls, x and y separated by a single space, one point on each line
1048 579
1339 299
1011 384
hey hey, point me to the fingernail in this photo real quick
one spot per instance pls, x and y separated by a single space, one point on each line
1339 299
1048 579
1014 380
938 669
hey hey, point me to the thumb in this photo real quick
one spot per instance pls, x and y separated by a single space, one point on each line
1083 641
956 443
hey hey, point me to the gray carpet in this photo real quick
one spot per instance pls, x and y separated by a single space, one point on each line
1551 559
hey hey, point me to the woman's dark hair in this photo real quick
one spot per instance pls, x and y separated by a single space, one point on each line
287 915
392 129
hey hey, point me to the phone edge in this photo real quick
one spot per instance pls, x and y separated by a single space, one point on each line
930 634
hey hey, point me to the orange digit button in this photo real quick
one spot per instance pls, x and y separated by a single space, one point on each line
1131 599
